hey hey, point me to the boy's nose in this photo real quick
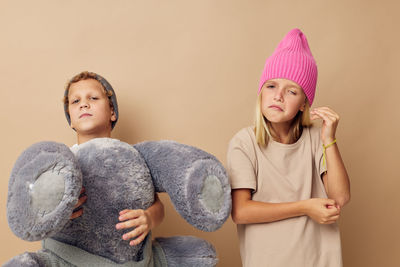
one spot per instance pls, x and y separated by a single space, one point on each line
84 105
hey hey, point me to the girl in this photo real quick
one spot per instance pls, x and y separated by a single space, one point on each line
288 179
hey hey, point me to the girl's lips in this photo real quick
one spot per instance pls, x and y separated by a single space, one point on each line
85 115
276 107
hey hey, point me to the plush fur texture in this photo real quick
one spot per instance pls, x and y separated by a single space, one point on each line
35 223
183 172
197 252
116 176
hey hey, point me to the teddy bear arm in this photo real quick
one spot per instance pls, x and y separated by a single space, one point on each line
27 259
43 189
194 179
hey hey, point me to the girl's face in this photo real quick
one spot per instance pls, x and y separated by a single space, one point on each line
89 108
281 100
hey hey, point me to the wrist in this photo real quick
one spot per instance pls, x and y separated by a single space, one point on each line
149 220
303 207
327 141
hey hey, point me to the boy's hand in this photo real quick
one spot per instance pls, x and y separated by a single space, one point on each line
82 199
322 211
330 122
137 219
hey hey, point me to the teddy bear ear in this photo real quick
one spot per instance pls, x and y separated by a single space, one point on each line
43 189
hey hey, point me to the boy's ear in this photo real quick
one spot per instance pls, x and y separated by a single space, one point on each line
113 116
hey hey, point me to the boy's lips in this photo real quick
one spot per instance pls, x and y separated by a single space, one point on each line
85 115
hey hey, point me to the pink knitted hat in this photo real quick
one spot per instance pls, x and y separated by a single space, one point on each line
292 60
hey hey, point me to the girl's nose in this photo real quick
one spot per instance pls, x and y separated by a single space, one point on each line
278 95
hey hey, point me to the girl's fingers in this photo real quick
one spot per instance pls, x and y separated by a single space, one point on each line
330 111
334 218
323 115
329 222
325 108
315 116
327 112
330 202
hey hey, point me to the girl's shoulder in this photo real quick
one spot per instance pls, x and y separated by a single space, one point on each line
314 133
244 143
244 136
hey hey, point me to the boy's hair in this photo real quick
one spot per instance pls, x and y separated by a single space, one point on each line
108 90
264 131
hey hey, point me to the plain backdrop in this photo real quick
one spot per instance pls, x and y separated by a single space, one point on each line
189 70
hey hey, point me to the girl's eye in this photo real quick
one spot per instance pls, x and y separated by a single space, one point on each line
75 101
270 86
94 98
292 92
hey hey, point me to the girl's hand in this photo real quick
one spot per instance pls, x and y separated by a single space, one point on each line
137 219
82 199
321 210
330 122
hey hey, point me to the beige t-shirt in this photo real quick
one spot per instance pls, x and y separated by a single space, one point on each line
283 173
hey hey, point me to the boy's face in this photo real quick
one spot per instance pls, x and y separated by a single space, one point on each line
89 108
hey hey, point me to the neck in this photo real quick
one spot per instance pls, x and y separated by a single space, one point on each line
281 132
82 138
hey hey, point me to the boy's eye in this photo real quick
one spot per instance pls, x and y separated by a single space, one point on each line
75 101
94 98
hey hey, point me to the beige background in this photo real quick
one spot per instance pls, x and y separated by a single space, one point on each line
189 70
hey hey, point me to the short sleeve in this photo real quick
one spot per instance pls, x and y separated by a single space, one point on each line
241 162
319 151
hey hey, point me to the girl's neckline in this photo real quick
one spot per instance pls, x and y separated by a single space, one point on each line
293 145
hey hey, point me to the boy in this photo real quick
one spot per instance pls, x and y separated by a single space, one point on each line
91 109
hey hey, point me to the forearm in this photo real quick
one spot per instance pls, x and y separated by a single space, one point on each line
245 211
336 180
155 212
261 212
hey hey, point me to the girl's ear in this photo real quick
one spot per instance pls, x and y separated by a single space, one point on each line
303 106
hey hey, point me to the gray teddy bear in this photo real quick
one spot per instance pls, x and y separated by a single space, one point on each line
45 184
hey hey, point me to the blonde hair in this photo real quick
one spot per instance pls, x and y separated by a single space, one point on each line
264 131
85 75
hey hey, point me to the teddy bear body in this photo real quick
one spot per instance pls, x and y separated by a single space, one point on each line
116 176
